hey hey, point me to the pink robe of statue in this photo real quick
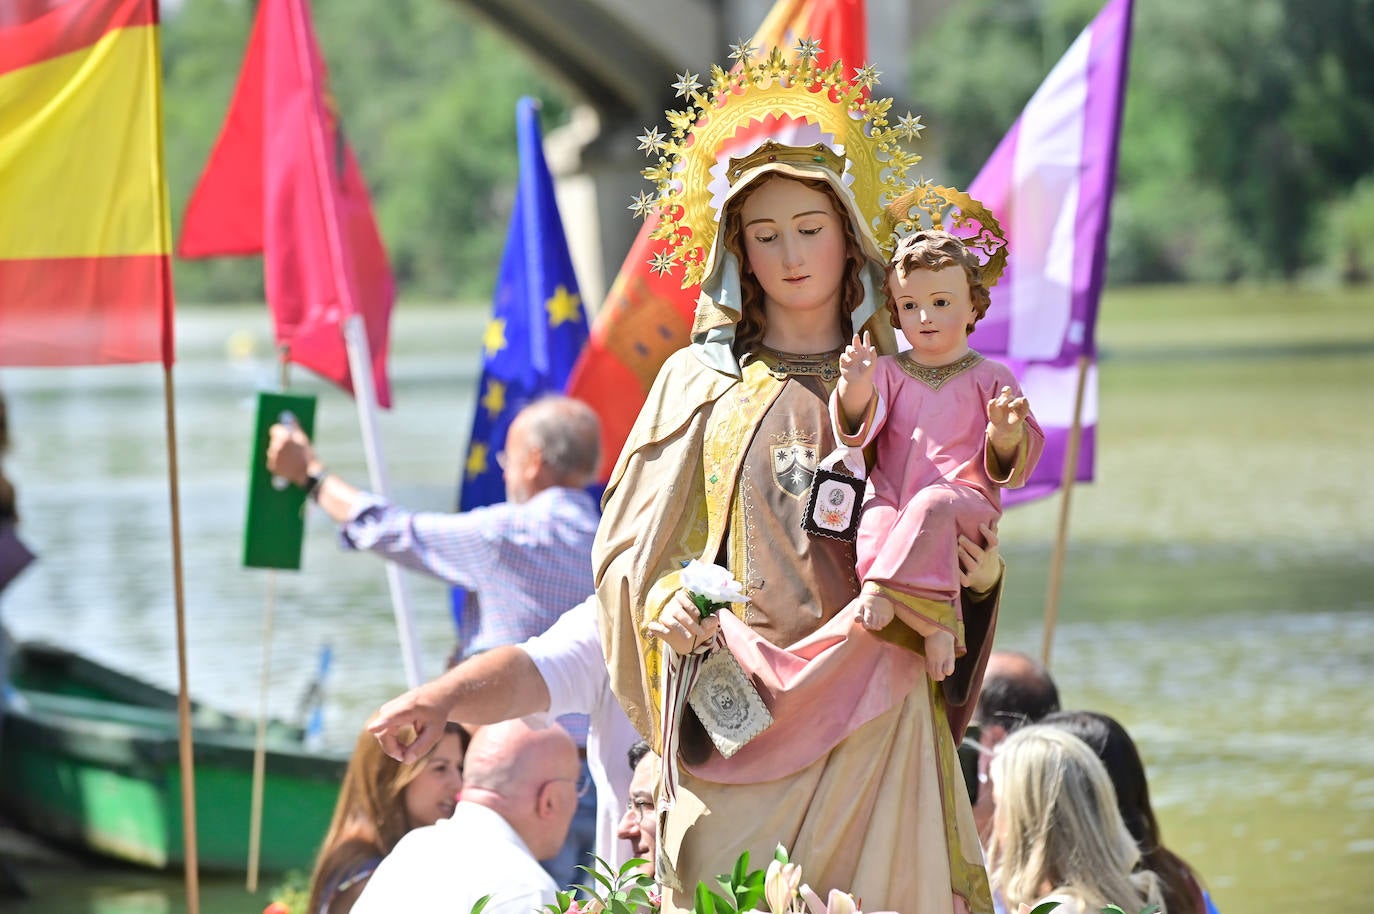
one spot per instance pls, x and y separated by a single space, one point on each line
932 480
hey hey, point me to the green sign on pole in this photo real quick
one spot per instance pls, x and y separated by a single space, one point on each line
275 530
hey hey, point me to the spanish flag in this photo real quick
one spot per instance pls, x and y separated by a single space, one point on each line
646 317
85 277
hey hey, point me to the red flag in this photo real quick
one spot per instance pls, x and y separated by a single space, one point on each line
282 180
84 241
646 317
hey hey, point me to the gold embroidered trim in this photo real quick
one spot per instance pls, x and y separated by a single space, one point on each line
824 365
728 434
968 879
936 377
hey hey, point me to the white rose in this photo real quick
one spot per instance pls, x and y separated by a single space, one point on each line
713 583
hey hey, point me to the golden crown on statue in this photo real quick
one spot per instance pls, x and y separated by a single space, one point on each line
763 110
927 205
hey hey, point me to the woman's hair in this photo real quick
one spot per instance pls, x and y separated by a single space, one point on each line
1056 824
370 815
1113 745
935 250
753 322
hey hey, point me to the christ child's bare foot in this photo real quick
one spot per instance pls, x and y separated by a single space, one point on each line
939 654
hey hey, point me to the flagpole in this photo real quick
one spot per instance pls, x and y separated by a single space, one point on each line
260 738
1061 539
359 355
264 683
365 396
184 743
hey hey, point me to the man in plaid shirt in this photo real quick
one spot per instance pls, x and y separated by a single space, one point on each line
526 559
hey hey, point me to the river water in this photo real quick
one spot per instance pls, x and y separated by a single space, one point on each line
1235 641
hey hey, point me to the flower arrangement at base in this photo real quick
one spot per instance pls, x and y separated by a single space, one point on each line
780 888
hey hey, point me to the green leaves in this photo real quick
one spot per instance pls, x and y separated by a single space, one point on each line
614 891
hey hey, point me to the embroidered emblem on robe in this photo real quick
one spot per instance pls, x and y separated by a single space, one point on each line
794 465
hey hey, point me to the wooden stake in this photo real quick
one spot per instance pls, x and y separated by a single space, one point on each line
187 748
1061 540
264 684
260 741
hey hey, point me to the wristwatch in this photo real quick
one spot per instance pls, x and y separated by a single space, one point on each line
313 482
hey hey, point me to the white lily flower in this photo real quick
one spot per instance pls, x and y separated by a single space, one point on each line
780 886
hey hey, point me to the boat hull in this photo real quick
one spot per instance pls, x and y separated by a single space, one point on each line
105 775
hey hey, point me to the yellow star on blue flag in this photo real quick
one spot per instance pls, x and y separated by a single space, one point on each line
477 459
564 306
494 400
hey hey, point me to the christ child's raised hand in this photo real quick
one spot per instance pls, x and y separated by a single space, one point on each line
1006 415
859 359
857 364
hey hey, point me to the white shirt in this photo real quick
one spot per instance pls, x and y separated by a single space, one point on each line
446 867
570 659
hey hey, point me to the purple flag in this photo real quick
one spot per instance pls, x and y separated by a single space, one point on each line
1050 184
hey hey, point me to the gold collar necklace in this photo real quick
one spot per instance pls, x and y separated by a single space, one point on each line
824 365
935 377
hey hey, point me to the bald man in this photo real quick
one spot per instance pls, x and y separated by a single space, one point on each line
1017 690
520 789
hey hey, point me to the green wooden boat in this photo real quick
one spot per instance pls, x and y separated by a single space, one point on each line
89 758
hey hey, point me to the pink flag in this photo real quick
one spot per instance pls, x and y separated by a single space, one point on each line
282 180
1050 183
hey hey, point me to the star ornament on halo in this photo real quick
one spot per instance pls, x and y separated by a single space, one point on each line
866 76
910 126
686 84
651 140
662 263
808 49
742 51
641 205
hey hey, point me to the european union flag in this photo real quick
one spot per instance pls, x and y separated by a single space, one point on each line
537 328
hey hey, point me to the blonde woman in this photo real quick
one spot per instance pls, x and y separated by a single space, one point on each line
1057 833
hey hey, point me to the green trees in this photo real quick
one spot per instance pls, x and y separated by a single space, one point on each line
1247 122
1246 147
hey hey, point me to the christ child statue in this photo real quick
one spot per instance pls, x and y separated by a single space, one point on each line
950 429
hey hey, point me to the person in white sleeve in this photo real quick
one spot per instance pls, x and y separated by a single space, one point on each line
559 672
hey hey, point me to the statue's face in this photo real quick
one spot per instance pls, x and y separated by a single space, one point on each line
935 310
794 244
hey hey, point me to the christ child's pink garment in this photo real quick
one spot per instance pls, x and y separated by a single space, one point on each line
933 477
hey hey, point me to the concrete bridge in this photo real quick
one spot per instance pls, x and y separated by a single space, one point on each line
619 57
